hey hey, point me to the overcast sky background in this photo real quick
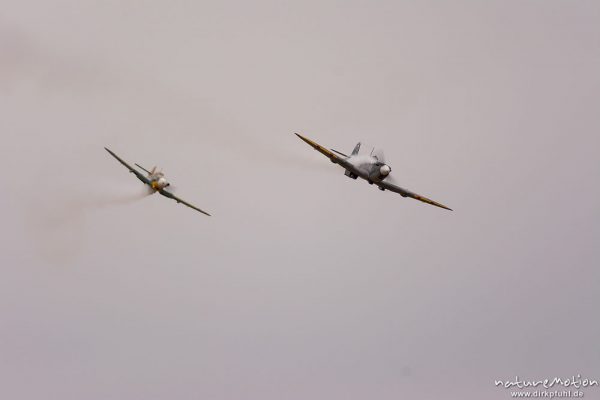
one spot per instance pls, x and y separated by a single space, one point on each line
304 284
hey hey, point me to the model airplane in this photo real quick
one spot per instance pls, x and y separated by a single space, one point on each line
155 180
371 168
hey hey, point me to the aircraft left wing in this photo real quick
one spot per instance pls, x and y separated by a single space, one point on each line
139 175
177 199
325 151
407 193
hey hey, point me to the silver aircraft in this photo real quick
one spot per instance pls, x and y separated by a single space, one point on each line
371 168
155 180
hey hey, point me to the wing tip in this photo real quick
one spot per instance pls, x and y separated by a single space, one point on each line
202 211
110 152
429 201
302 138
307 141
440 205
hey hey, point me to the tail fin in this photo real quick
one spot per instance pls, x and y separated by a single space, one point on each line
356 149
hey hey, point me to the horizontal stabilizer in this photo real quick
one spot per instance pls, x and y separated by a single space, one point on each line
139 166
339 152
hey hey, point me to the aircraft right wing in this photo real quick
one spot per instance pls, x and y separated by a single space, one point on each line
177 199
407 193
139 175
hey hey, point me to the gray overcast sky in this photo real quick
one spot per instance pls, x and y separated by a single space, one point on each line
304 284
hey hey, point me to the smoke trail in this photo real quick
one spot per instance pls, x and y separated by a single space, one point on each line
107 200
58 226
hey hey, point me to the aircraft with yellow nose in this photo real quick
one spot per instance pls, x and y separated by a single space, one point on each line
155 180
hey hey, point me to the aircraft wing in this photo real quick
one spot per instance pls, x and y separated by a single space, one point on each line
139 175
325 151
177 199
407 193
